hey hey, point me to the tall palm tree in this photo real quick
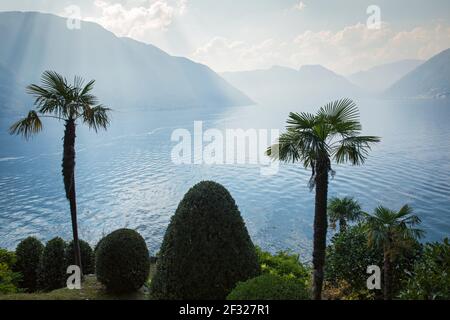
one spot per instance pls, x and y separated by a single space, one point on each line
333 133
343 211
56 98
394 232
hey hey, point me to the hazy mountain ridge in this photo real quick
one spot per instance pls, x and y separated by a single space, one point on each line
430 80
381 77
286 85
128 73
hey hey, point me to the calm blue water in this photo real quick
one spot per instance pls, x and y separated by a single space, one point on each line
125 177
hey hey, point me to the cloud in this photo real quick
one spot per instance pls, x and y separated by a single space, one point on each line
136 18
345 51
299 6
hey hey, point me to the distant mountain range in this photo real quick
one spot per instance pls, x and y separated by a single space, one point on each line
128 73
429 80
380 78
286 85
402 79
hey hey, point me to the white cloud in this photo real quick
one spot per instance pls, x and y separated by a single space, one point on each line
345 51
299 6
135 18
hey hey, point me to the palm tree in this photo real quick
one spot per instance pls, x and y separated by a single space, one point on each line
56 98
315 140
343 211
394 232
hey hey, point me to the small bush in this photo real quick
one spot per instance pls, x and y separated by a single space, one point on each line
122 261
206 250
283 264
87 256
28 256
52 271
9 280
430 279
270 287
7 257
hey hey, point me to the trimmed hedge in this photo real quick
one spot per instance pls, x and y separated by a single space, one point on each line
52 273
28 255
270 287
122 261
206 249
87 256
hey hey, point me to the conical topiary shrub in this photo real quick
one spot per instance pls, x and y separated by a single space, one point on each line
28 253
52 270
206 250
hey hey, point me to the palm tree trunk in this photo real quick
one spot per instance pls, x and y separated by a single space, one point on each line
320 227
342 225
387 274
68 171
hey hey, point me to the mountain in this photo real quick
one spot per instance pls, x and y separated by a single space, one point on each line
380 78
289 86
128 73
429 80
12 97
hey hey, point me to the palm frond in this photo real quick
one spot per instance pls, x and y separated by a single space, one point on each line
96 117
354 149
27 126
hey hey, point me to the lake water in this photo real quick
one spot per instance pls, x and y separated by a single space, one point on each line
125 176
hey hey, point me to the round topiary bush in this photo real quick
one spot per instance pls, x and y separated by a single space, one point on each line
87 256
52 273
122 261
206 249
28 255
270 287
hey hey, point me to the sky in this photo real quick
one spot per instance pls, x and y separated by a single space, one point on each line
345 36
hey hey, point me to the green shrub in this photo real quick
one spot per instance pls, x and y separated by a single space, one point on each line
52 271
28 256
7 257
206 249
9 280
430 279
270 287
283 264
87 256
348 257
122 261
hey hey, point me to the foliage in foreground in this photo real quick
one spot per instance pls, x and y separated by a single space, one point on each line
52 270
28 253
270 287
430 279
87 256
206 249
348 257
8 278
122 261
283 264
